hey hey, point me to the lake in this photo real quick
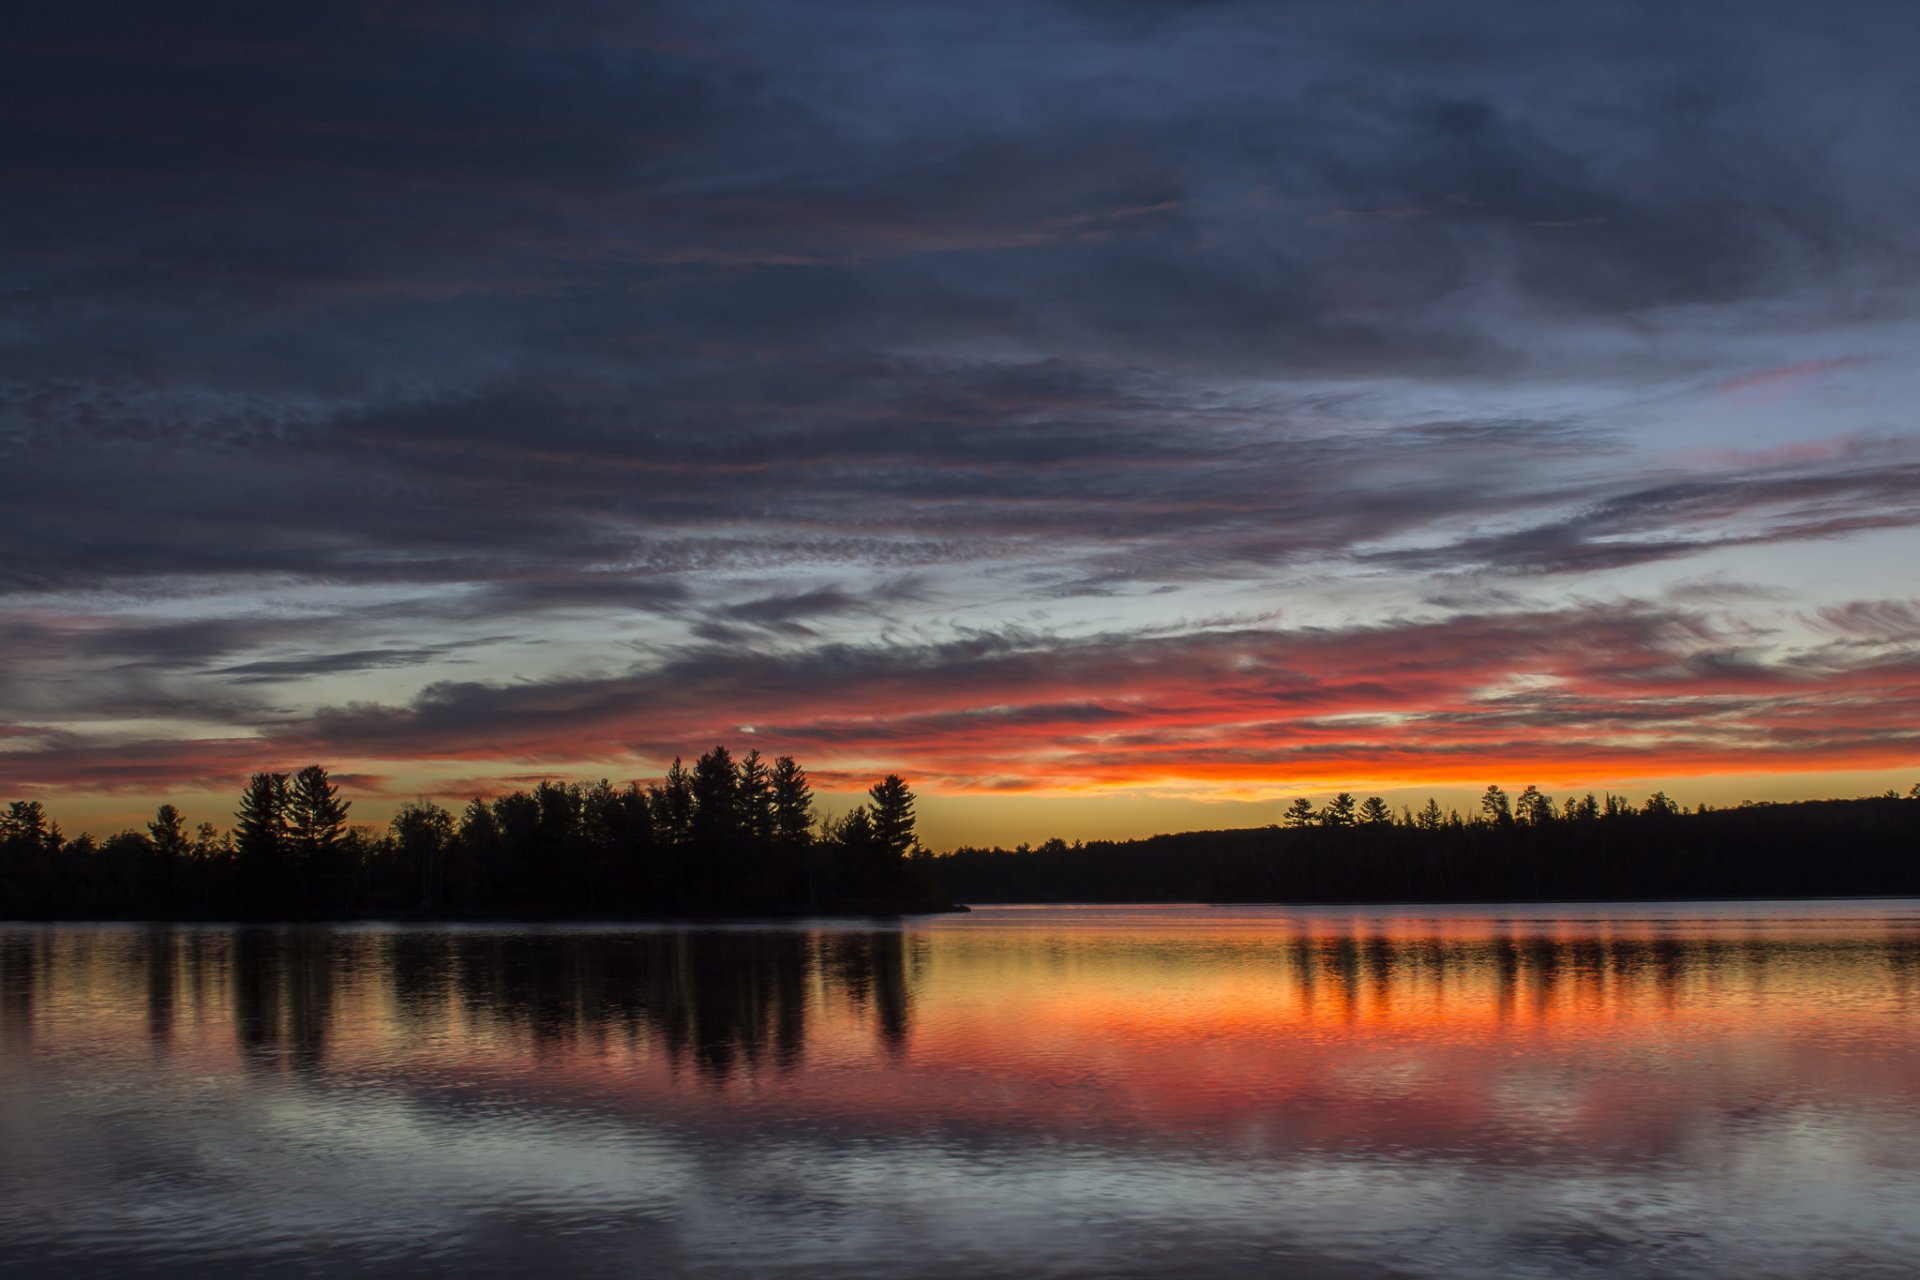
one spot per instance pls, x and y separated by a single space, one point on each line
1689 1089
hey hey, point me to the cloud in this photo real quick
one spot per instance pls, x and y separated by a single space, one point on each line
1619 690
792 346
270 669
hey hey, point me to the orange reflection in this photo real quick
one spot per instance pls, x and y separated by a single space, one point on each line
1596 1032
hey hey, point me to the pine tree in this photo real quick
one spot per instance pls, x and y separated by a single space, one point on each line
671 803
716 801
792 804
316 815
1533 808
1495 808
169 832
756 799
260 823
25 823
892 815
260 841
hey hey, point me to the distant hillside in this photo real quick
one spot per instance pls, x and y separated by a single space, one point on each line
1820 848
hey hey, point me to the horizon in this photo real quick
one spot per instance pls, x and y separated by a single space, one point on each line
933 822
1109 420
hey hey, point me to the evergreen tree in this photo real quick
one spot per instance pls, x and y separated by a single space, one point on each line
856 828
1533 808
1300 813
671 803
756 800
260 843
1339 811
1375 813
479 877
892 816
716 801
260 823
1430 818
212 844
168 830
1495 808
25 826
792 804
316 815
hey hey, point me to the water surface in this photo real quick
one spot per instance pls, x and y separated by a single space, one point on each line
1176 1091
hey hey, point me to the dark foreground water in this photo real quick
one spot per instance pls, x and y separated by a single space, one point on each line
1684 1090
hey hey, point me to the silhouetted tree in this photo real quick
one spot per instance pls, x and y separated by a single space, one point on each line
671 801
716 797
25 823
422 832
211 843
260 844
892 816
1533 808
853 838
756 800
316 819
168 831
619 838
1374 812
478 874
1494 807
792 804
1339 811
1300 813
316 815
1430 818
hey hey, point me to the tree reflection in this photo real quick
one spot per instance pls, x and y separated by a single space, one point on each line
725 1002
730 1004
159 961
23 967
283 996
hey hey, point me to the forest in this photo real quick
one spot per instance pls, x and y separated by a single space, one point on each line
726 836
741 836
1514 849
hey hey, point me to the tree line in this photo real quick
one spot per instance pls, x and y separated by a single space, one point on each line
724 836
1531 807
1526 849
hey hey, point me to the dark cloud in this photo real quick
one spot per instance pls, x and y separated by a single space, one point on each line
332 663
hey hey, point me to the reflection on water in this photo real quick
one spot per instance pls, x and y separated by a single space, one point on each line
1727 1090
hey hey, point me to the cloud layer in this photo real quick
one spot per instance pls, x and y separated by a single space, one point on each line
1029 396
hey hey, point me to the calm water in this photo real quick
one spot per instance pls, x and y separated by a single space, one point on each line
1724 1090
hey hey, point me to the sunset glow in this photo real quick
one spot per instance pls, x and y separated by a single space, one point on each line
1125 427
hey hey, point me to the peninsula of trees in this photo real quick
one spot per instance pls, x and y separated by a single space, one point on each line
724 837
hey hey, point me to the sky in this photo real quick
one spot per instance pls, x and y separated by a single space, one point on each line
1112 417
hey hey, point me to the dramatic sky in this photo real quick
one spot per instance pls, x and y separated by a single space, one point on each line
1114 417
